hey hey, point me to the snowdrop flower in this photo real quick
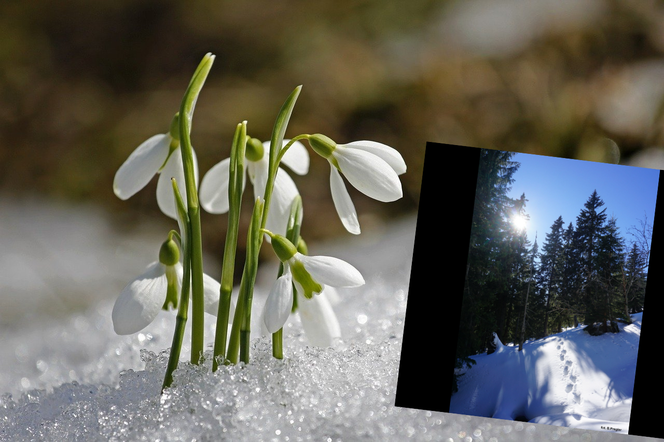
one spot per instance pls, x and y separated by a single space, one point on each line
310 275
372 168
320 323
214 185
157 288
160 154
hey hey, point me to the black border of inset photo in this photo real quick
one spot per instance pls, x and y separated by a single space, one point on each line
431 326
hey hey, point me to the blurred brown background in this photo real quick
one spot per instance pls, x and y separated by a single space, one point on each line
82 84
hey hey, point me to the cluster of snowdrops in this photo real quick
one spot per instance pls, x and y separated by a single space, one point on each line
304 283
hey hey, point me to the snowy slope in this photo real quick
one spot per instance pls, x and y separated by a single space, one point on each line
569 379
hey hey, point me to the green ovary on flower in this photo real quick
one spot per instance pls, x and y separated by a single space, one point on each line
283 248
169 253
255 150
169 256
322 145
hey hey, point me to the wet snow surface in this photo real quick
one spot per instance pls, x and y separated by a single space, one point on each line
65 375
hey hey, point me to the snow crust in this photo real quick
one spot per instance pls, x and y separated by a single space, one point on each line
67 376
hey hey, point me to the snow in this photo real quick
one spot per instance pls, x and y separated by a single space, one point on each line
569 379
65 375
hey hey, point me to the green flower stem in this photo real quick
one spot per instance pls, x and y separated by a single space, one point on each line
197 298
293 235
278 344
289 144
183 304
276 142
241 329
193 208
178 335
236 177
253 248
234 340
276 154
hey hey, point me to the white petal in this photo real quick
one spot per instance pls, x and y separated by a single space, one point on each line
143 163
319 322
179 271
331 294
390 155
173 169
369 174
213 193
283 195
257 171
140 301
279 303
296 158
332 271
343 203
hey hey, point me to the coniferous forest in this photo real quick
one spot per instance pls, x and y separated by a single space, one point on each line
582 271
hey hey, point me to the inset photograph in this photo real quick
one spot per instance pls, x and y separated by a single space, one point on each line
554 291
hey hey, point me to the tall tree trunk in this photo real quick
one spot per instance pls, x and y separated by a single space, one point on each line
523 324
546 315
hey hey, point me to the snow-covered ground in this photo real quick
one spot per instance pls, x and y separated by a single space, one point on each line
64 374
570 379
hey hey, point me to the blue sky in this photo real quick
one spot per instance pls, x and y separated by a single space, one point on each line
560 187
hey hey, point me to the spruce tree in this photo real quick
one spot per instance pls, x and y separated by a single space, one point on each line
552 269
590 227
609 264
570 292
513 270
633 283
531 286
636 267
